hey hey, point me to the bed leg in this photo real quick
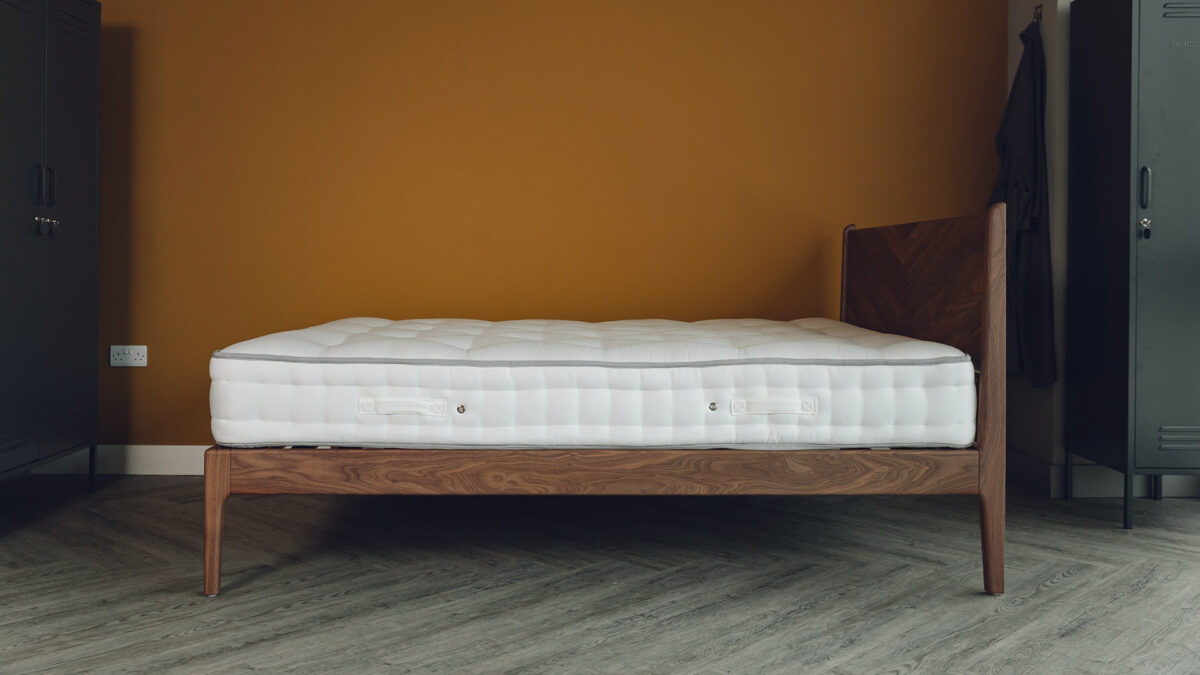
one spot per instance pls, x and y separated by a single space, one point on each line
216 489
991 521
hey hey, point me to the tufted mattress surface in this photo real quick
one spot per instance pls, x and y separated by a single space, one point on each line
739 383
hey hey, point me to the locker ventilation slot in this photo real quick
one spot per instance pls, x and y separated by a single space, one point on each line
15 438
72 25
1179 438
1181 10
23 5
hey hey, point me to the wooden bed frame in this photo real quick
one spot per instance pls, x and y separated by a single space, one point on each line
941 280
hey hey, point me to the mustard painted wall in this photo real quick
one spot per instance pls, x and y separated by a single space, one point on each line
272 165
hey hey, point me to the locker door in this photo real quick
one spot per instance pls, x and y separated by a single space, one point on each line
1167 375
70 281
22 74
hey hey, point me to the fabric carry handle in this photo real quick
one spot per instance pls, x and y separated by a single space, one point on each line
372 405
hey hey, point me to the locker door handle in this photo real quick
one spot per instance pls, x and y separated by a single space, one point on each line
50 191
37 186
1144 180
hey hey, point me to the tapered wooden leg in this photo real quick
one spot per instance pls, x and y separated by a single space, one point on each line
216 489
991 521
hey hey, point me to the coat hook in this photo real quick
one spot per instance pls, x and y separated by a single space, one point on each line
1037 13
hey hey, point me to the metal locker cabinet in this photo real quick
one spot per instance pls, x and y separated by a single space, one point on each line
1133 269
69 305
49 171
1167 358
22 73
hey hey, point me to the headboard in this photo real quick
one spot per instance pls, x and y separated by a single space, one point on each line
938 280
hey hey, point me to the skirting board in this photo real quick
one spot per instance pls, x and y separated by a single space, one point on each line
1037 477
135 460
1093 480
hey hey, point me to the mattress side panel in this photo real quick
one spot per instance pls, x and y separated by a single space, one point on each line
756 404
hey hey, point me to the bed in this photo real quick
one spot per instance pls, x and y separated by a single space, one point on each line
903 395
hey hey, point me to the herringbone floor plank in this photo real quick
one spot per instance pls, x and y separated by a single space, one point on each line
110 583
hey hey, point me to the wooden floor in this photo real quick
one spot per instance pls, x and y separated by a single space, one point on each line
111 582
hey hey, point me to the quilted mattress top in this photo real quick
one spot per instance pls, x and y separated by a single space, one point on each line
634 343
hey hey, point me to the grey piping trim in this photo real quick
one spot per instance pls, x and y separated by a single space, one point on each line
351 445
937 361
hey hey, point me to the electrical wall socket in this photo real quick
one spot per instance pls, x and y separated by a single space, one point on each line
127 356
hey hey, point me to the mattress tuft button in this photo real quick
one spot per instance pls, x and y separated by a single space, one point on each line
712 406
462 409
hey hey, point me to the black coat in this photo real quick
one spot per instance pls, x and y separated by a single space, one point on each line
1023 185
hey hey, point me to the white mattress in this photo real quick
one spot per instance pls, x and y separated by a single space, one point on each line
739 383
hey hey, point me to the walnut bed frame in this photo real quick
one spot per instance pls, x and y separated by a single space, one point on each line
942 281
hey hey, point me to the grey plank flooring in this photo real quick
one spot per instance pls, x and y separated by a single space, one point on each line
110 583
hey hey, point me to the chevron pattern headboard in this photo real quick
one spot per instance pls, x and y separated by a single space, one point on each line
937 280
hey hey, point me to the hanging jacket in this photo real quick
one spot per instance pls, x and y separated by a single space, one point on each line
1023 185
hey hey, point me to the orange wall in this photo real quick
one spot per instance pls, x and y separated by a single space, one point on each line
272 165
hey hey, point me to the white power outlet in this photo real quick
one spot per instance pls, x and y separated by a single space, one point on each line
127 356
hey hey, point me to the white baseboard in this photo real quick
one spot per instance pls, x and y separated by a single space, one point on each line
1035 476
136 460
1093 480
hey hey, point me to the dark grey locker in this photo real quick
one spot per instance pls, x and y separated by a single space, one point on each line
70 272
49 112
1133 269
22 73
1167 366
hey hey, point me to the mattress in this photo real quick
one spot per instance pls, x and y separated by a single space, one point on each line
732 383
